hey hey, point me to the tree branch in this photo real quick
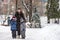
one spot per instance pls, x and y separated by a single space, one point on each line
24 4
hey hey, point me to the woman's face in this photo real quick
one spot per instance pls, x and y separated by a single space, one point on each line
18 10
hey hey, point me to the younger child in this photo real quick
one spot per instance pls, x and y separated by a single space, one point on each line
13 27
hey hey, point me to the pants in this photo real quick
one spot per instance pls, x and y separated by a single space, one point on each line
18 31
18 28
14 34
23 29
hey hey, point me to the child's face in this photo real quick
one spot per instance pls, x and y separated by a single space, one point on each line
14 19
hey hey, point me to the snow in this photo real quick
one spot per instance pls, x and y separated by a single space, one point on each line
48 32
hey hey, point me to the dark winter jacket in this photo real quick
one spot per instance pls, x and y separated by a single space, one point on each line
18 16
13 25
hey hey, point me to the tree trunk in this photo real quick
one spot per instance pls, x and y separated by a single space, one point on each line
55 20
16 4
30 11
48 20
58 20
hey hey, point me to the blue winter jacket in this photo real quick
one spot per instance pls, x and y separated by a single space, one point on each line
13 25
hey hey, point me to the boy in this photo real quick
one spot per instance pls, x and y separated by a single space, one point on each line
13 27
23 28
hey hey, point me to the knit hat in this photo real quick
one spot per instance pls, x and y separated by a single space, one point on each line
13 17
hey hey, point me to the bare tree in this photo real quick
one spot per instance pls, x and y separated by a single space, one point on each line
28 8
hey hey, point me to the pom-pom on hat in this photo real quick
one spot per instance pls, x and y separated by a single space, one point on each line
13 17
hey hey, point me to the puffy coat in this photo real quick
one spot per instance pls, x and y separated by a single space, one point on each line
13 25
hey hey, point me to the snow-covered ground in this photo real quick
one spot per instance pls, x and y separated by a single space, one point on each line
48 32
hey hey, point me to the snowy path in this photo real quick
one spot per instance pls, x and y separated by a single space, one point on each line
50 32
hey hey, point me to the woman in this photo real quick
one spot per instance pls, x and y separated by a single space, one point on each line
19 14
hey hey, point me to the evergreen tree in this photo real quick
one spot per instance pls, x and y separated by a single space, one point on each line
52 9
48 7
